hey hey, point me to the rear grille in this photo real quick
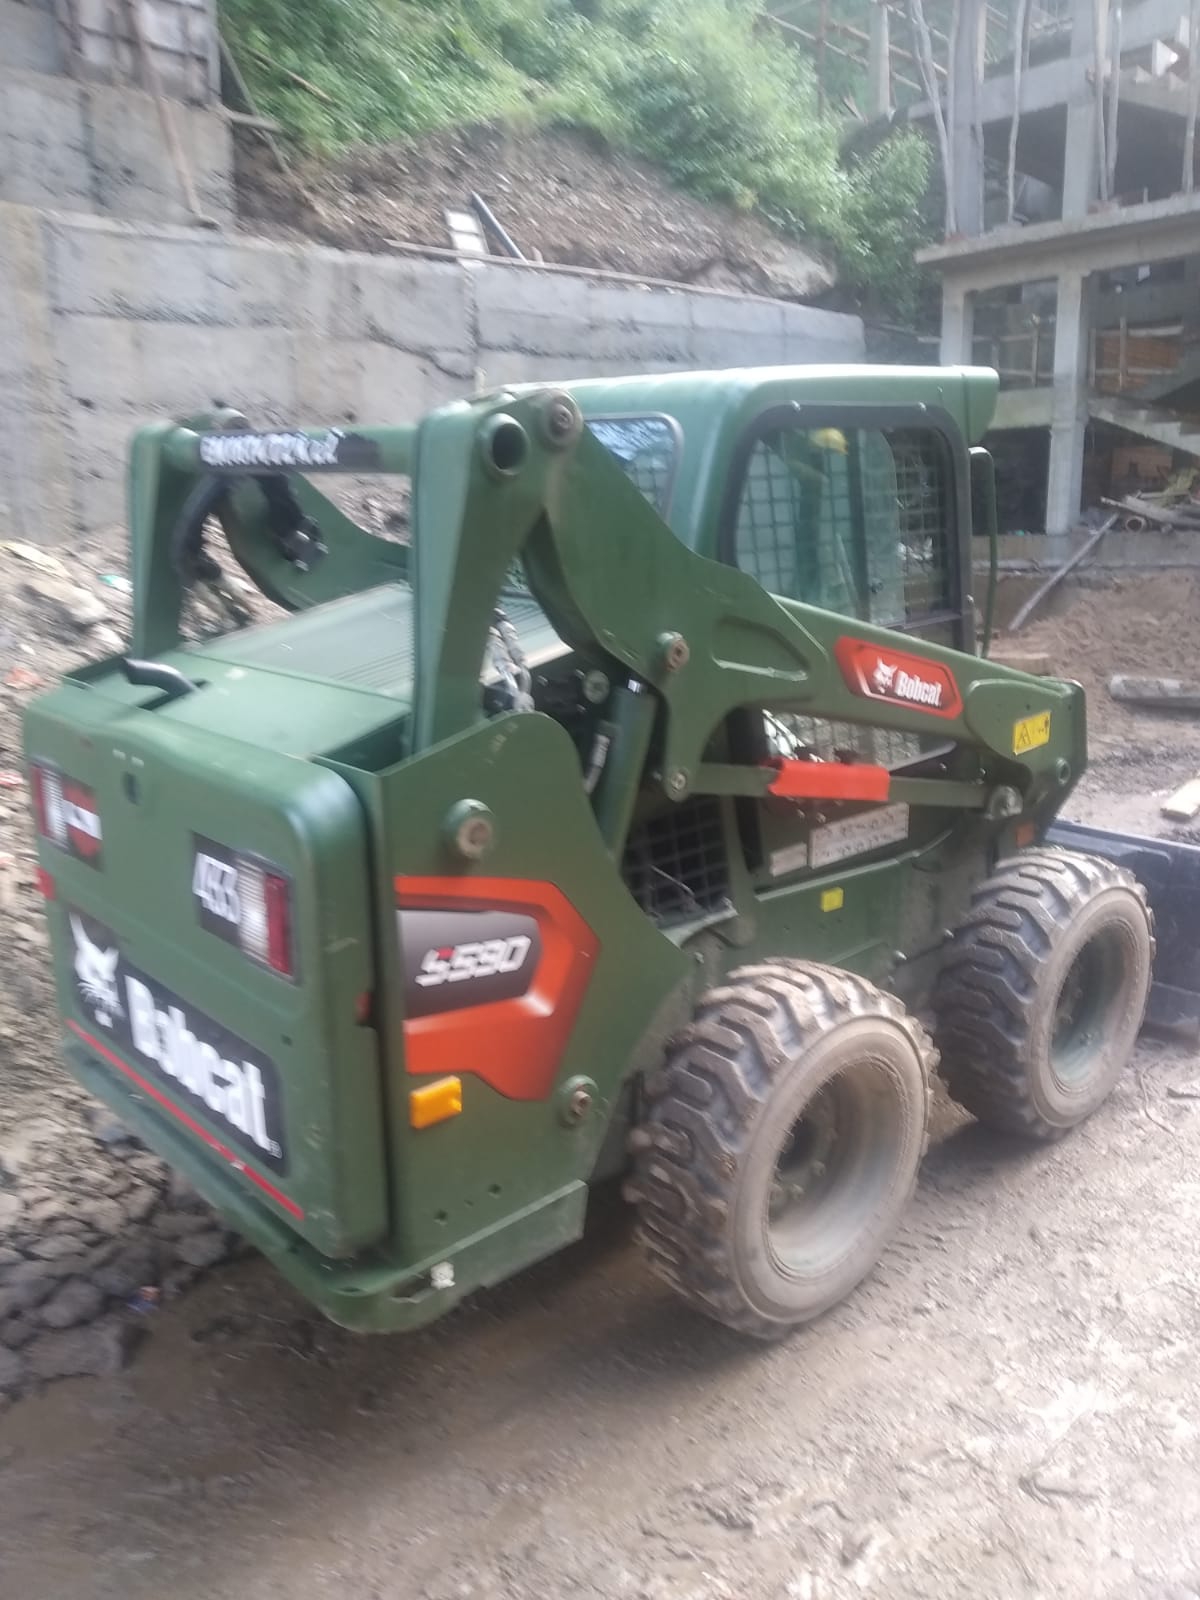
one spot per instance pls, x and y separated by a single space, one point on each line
676 865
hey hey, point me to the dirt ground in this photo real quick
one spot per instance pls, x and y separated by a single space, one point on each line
1010 1406
1147 625
560 193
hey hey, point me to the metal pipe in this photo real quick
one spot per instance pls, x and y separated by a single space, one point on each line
1189 135
1052 582
490 220
983 472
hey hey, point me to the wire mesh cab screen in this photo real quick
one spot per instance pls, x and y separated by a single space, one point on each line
859 520
647 449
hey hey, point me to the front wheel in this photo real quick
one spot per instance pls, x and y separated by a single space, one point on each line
781 1143
1043 991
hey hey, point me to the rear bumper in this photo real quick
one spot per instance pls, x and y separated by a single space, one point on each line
370 1294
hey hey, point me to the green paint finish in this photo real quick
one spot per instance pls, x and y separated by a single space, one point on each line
444 1177
157 783
338 743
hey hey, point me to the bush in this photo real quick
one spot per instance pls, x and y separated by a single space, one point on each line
380 69
727 112
883 222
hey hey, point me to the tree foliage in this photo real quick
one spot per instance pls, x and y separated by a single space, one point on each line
699 86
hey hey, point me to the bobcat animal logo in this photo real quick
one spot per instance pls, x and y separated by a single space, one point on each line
883 677
96 970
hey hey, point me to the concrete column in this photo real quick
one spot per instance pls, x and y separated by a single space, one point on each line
879 63
966 143
1081 153
1069 414
957 327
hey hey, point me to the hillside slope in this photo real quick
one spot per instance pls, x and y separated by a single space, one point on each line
560 193
707 90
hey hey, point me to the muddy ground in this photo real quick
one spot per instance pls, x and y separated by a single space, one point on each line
1009 1406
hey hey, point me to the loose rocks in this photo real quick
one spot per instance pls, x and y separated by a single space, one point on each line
75 1302
90 1221
97 1351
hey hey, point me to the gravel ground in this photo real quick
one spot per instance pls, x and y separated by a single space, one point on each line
1009 1406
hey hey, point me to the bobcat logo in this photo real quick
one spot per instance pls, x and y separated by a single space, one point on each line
883 677
96 970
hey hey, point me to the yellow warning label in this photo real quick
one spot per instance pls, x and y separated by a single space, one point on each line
1031 732
832 899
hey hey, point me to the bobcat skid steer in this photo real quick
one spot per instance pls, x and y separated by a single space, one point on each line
649 812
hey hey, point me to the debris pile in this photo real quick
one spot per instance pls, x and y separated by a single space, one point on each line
560 196
94 1231
1175 508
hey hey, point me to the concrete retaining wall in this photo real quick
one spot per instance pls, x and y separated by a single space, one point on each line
84 147
79 127
105 326
93 41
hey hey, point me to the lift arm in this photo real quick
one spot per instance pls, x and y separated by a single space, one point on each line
518 476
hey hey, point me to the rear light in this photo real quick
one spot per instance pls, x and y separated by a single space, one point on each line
279 924
263 923
46 884
66 812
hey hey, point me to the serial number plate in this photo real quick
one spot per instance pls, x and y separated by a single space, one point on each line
854 836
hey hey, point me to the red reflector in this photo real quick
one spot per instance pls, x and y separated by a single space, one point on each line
364 1008
67 813
46 883
279 924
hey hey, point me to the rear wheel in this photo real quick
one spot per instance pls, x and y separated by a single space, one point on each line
1043 991
781 1143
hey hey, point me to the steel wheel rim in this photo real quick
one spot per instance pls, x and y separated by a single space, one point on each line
1083 1007
832 1168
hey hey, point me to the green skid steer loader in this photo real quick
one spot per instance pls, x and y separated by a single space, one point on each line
624 819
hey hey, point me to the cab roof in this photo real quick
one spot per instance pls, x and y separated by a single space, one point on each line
712 411
967 393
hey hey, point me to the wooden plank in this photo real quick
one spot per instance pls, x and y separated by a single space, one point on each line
1035 662
1184 803
247 119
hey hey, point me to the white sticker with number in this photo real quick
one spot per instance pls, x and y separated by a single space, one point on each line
854 836
215 885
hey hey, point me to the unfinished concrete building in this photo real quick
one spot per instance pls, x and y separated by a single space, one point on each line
1071 261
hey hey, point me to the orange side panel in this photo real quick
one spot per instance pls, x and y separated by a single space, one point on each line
515 1044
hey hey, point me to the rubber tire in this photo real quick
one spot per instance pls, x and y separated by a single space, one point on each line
997 994
719 1110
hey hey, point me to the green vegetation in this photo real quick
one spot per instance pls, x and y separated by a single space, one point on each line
699 86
